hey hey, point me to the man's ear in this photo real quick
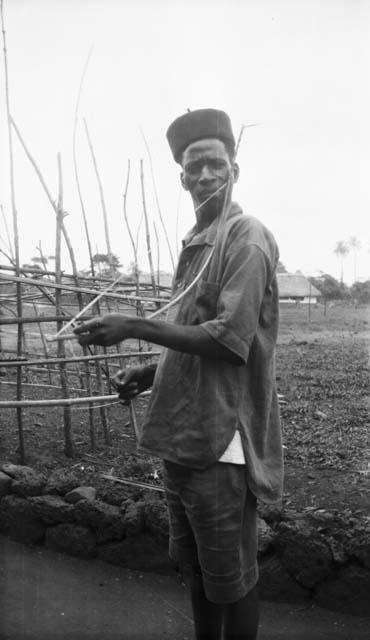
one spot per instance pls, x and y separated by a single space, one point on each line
183 181
236 171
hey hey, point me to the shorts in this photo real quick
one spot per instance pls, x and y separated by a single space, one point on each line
213 525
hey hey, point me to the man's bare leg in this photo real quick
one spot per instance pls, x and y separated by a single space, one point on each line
241 618
208 616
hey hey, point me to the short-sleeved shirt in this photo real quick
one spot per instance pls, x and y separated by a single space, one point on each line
198 402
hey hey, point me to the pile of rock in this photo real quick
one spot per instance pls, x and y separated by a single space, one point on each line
316 554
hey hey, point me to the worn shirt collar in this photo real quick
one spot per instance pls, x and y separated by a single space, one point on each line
208 235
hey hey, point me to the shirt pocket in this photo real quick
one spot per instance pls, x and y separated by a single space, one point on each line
206 298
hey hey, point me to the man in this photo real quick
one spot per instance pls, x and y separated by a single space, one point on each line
213 415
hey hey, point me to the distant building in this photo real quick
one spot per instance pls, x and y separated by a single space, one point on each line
165 278
296 288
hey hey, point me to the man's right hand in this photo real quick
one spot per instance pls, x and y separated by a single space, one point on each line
130 382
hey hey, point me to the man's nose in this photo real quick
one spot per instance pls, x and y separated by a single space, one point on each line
206 175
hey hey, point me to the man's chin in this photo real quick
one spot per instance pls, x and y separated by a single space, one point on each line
214 205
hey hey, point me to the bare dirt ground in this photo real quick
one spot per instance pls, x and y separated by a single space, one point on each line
322 374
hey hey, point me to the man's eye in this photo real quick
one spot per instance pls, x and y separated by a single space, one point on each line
217 164
194 167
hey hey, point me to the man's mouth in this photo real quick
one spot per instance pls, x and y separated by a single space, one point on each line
208 193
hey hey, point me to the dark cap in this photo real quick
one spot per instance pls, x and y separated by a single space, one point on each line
196 125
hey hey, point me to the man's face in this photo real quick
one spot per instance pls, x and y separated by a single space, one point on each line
206 167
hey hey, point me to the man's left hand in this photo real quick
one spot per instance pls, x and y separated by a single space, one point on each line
105 330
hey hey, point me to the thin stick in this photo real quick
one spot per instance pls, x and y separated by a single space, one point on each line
8 257
134 247
133 419
75 165
177 220
88 306
132 483
102 199
139 306
43 183
16 238
158 254
157 199
43 258
148 245
7 232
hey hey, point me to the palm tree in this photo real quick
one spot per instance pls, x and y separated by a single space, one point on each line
354 244
341 250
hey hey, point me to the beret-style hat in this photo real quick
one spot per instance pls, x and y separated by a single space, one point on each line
196 125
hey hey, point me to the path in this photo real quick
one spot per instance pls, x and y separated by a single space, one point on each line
48 596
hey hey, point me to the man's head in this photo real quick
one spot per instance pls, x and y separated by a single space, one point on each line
203 143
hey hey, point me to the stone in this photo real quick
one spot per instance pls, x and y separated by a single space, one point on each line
266 536
106 520
346 591
51 509
61 481
276 584
134 517
270 513
80 493
114 494
73 539
361 551
143 553
303 553
5 484
26 481
156 519
18 522
14 470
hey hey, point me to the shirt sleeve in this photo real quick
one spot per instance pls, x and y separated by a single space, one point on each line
244 284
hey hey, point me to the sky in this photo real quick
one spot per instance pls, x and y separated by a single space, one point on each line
297 69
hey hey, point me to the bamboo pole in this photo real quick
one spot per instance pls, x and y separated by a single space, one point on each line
16 238
100 356
43 341
67 287
37 319
68 438
94 278
60 402
66 237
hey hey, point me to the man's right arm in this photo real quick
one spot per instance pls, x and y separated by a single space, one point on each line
130 382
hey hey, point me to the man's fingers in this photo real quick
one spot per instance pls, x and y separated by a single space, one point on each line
88 326
86 339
